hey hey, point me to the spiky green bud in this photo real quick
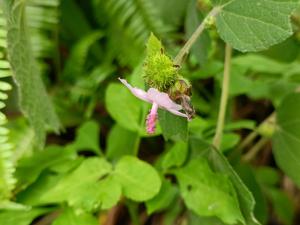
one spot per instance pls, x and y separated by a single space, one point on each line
159 70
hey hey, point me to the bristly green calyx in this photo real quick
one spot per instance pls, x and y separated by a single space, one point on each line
159 70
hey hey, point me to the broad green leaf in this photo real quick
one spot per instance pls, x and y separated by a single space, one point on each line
208 193
126 144
34 101
194 219
176 156
123 107
139 180
264 23
25 217
173 127
87 137
286 139
70 217
221 165
163 199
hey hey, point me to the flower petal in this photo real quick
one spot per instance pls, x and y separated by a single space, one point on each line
177 113
162 99
139 93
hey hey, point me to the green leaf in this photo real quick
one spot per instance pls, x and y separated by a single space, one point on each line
34 101
139 180
173 127
70 217
248 177
87 137
287 137
208 193
25 217
126 144
91 192
264 22
163 199
123 107
283 206
30 168
176 156
220 164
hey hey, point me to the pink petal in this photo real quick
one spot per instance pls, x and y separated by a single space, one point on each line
139 93
177 113
162 99
151 119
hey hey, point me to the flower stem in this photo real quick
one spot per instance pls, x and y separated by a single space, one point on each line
224 97
186 48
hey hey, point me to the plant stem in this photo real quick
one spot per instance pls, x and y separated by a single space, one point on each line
247 141
186 48
255 149
224 97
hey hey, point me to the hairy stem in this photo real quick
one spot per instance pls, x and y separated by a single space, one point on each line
224 97
186 48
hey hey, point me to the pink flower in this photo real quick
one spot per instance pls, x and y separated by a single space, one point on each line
158 100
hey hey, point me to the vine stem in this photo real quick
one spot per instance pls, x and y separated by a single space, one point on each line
224 98
186 48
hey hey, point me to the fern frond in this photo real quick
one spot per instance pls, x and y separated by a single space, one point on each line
42 18
7 168
131 22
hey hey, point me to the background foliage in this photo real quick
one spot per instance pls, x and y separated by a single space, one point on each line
73 145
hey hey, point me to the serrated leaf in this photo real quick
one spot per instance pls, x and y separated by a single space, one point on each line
70 217
254 25
287 137
208 193
173 127
139 180
34 101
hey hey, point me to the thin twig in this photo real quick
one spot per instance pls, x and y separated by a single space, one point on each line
224 97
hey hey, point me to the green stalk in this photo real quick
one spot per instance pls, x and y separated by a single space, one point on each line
224 98
186 48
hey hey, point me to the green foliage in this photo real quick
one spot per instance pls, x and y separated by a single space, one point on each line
70 217
104 167
286 138
130 171
173 127
262 28
208 193
7 168
34 101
